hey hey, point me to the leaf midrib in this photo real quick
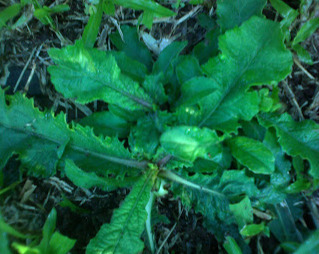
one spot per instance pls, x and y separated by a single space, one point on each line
126 162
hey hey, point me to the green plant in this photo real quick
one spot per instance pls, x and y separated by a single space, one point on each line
52 242
215 131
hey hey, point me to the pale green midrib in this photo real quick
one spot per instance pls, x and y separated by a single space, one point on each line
141 192
229 88
125 162
109 85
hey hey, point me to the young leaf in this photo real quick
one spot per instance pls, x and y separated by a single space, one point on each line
43 141
306 30
187 69
89 74
132 46
296 138
9 13
253 154
107 124
233 13
188 143
153 85
263 59
92 28
231 246
122 235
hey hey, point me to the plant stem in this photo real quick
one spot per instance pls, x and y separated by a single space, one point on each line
176 178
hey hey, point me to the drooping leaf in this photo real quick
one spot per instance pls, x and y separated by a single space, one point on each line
87 75
43 141
132 46
107 124
252 154
263 60
188 143
233 13
296 138
303 55
122 235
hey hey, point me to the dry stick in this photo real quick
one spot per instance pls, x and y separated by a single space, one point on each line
23 71
166 238
293 100
303 68
26 87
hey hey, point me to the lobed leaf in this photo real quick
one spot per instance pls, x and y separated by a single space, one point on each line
123 234
253 54
296 138
87 75
44 141
232 13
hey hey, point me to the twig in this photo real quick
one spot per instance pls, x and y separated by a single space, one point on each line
23 71
293 100
303 68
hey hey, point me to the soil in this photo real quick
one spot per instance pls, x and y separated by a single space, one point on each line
27 47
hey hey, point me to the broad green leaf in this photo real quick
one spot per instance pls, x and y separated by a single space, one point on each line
123 234
144 138
129 66
6 229
311 245
108 7
89 179
233 13
296 138
306 30
146 5
87 75
9 13
303 55
153 85
281 176
243 212
166 58
188 143
298 186
252 154
92 28
187 69
196 90
252 129
107 124
258 46
132 46
60 244
254 229
207 48
231 246
44 141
